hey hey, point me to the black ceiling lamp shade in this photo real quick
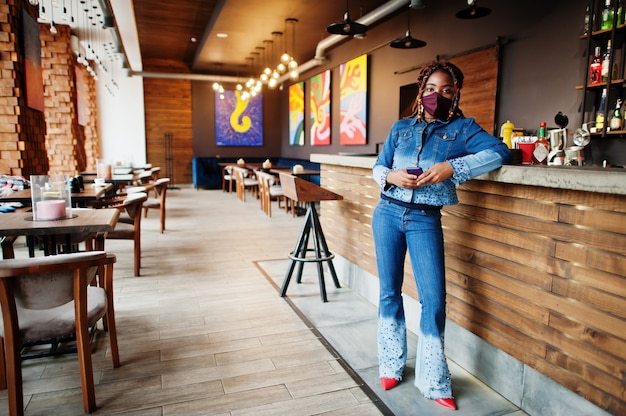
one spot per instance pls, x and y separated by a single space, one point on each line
473 11
408 41
346 26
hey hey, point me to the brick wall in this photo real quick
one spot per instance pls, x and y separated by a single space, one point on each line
22 129
52 141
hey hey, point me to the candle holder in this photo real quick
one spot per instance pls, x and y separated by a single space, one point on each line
51 197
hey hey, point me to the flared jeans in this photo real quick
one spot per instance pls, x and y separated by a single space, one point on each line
397 229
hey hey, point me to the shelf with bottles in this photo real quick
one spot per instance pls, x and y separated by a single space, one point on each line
605 76
621 82
605 34
610 133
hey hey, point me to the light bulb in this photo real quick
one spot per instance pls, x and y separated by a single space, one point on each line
272 83
264 77
293 64
293 75
34 2
221 96
281 68
284 58
221 90
53 28
216 86
275 75
239 87
267 71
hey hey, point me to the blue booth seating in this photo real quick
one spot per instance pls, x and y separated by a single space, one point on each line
206 173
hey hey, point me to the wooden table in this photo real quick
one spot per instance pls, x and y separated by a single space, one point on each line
89 222
89 194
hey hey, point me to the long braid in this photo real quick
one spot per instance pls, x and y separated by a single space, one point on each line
425 73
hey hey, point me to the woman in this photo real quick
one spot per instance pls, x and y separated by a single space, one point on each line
450 149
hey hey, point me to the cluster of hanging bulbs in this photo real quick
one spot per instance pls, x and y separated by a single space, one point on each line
286 65
92 21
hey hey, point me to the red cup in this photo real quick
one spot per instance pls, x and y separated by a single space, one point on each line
527 152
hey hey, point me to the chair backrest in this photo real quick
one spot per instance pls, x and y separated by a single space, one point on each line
132 204
240 176
160 186
266 181
143 178
155 172
158 202
34 294
264 190
47 282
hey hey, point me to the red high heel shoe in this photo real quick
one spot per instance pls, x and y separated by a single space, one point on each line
447 403
389 383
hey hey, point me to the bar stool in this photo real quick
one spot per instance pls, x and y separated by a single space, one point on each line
300 190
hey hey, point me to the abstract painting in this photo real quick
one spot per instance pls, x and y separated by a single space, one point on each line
353 101
32 62
320 109
238 120
296 114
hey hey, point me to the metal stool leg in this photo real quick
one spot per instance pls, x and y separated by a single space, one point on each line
312 227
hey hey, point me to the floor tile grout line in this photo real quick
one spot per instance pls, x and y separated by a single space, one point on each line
376 400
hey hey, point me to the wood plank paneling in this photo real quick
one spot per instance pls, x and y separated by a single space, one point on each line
539 273
168 111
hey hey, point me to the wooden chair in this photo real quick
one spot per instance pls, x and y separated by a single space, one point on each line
158 202
143 178
227 176
128 226
269 191
37 296
244 182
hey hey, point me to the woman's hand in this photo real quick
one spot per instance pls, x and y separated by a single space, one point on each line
437 173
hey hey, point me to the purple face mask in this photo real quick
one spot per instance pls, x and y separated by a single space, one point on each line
437 105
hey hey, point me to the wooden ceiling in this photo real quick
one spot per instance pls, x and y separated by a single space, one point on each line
165 29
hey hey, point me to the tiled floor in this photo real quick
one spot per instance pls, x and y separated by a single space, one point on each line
203 331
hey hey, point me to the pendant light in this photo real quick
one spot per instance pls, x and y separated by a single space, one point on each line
346 26
473 11
407 42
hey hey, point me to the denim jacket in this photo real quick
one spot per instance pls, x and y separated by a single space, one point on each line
469 149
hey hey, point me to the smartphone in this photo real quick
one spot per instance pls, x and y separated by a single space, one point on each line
415 170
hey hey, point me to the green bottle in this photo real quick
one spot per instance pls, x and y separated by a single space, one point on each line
607 16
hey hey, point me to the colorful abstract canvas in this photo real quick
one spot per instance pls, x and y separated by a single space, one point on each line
32 62
320 109
353 102
296 114
238 121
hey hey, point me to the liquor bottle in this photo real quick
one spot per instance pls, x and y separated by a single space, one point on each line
600 113
616 117
607 16
606 60
542 146
595 68
586 27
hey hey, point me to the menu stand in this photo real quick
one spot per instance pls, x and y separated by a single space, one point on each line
301 190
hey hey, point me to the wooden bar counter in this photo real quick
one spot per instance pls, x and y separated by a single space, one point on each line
536 269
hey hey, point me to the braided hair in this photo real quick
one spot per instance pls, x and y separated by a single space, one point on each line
425 73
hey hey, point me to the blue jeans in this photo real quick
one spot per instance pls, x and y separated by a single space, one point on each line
395 230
